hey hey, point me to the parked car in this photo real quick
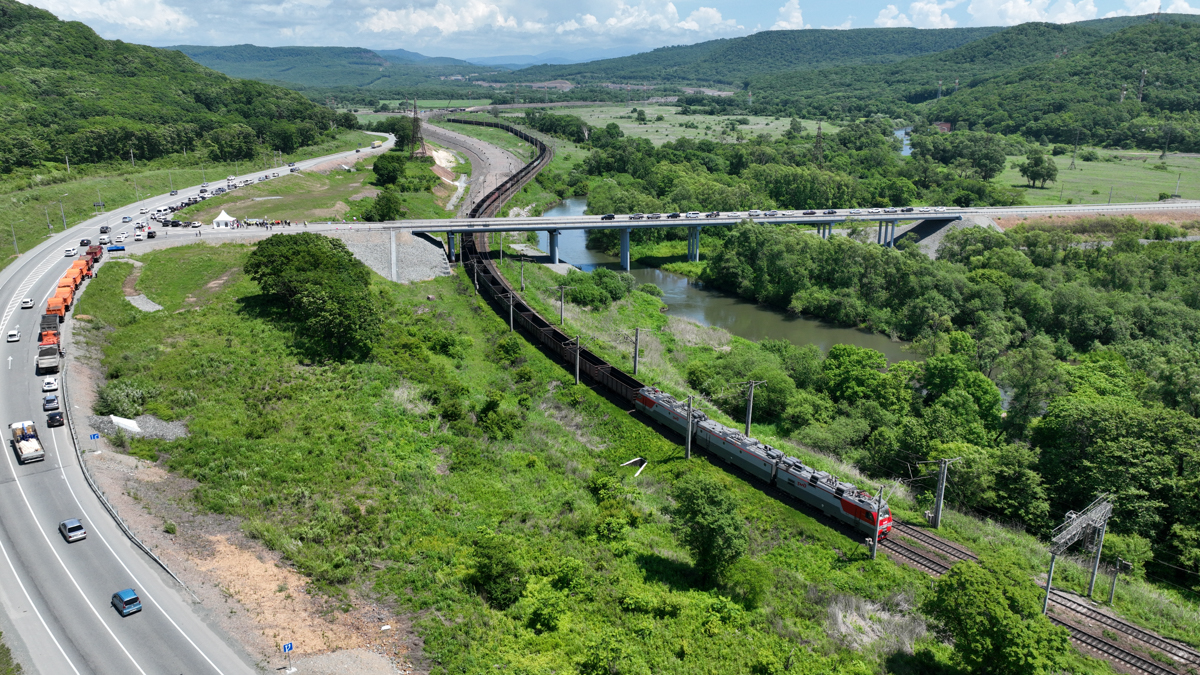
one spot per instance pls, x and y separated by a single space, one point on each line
50 402
72 530
608 216
126 602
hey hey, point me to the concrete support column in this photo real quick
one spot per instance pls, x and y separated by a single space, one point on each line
879 232
625 248
553 246
450 245
892 239
393 233
694 244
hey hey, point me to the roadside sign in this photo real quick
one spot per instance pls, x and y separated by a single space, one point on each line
93 437
97 203
287 648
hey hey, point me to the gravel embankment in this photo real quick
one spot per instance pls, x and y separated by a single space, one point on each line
151 427
490 165
143 303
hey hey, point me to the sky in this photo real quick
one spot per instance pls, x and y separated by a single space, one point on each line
477 28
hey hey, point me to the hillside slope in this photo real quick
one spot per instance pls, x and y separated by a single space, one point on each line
729 61
63 89
1082 92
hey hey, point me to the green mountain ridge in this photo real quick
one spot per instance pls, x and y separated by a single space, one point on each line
65 90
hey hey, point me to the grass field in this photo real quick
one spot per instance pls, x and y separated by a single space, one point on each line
312 196
1132 179
27 210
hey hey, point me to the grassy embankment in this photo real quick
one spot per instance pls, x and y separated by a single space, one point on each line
30 203
312 196
380 476
666 353
672 125
1131 175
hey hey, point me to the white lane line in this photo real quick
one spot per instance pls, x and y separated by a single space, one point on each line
35 609
33 516
144 594
30 280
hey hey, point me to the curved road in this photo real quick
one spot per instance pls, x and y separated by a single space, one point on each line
490 166
56 595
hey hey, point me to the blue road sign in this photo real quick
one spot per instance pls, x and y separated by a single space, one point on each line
93 437
287 648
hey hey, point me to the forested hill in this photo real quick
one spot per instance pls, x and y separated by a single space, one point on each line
730 61
63 89
1082 92
300 67
878 88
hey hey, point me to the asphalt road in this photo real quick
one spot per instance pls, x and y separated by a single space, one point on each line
54 595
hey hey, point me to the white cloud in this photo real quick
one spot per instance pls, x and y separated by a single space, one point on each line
845 25
707 20
1135 7
890 17
442 18
790 17
1012 12
142 15
931 14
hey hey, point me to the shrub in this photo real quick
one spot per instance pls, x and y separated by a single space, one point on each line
498 574
747 581
650 289
546 605
707 523
123 398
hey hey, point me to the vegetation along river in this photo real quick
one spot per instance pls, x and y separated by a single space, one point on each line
691 300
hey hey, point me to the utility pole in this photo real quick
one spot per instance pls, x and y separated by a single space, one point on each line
939 90
68 163
1075 151
13 229
1122 566
878 508
522 267
637 347
1110 192
1141 85
562 295
99 200
578 353
1177 180
63 212
819 147
1167 145
750 401
1124 88
510 312
687 442
131 158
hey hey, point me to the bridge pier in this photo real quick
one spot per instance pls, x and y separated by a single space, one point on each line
694 244
553 246
625 248
450 245
892 235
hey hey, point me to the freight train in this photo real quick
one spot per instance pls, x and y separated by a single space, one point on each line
818 489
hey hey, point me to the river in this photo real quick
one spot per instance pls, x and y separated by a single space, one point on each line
691 300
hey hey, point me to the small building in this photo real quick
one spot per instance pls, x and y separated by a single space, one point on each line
944 127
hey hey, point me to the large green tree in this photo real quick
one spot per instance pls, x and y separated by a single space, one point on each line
994 613
705 519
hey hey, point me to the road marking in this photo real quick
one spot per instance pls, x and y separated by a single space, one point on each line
24 288
145 595
45 537
35 609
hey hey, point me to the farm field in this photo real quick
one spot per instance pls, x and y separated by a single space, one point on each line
1133 178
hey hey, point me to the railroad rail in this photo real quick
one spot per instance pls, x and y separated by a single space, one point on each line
505 299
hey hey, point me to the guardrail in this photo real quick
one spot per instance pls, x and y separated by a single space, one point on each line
87 475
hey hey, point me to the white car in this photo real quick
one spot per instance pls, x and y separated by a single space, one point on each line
925 209
693 214
204 184
143 210
50 384
72 252
230 178
138 237
27 303
120 238
855 211
197 223
940 209
14 336
753 213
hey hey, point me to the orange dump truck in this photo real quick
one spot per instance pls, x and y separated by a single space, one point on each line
67 295
56 306
84 265
73 275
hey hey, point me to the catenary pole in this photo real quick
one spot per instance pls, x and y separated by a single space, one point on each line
687 442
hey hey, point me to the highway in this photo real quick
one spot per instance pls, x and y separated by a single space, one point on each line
54 595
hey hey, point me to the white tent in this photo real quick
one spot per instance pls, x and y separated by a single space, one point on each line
224 220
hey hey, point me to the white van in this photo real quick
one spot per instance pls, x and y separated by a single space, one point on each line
104 241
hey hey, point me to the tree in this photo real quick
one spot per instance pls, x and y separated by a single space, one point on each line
387 206
706 521
498 574
389 168
1038 169
853 373
994 613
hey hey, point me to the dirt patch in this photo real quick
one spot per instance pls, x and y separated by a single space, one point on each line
338 210
129 286
444 158
369 192
443 173
216 284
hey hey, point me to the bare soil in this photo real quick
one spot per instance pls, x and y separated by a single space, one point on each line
1172 217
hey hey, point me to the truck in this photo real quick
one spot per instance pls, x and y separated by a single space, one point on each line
84 264
377 144
49 324
25 442
95 252
74 276
67 294
66 282
47 360
56 307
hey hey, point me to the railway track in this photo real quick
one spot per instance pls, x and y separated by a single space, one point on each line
925 560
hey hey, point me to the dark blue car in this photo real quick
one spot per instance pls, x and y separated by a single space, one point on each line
126 602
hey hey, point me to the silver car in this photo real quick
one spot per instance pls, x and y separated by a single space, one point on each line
72 530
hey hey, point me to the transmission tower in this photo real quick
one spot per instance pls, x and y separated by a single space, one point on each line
939 90
1088 527
1075 151
956 85
1141 85
1124 87
750 401
416 129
